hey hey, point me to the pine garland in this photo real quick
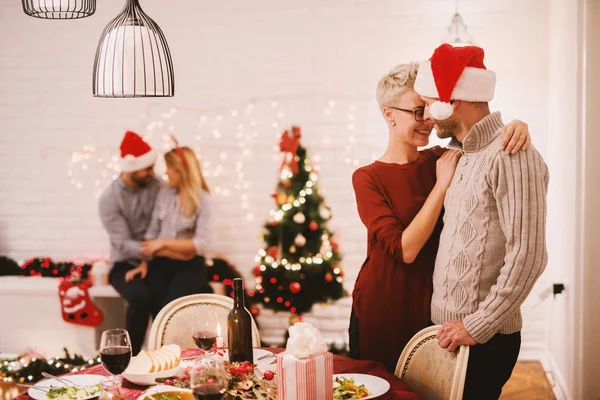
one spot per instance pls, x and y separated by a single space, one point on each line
28 368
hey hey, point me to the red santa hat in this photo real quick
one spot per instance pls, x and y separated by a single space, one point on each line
454 73
136 154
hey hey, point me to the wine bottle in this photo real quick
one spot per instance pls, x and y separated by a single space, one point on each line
239 327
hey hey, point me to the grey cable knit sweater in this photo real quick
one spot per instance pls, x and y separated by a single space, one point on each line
493 245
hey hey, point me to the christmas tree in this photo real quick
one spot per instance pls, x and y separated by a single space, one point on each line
300 264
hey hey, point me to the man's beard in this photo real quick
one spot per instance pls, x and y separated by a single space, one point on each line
445 128
141 182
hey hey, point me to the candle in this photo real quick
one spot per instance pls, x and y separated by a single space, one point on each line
219 337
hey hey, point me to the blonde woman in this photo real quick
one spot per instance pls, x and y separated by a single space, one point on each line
178 232
400 199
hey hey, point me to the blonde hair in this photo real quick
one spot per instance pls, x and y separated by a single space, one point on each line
192 180
395 83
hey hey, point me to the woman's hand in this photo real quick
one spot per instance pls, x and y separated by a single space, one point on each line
149 247
141 270
515 137
445 167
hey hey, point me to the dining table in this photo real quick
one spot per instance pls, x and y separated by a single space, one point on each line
399 390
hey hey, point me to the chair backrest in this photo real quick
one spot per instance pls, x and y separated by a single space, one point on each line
173 322
434 373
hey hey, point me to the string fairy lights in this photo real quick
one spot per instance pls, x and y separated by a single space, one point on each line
229 140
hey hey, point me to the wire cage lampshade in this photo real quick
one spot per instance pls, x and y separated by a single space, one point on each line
133 58
59 9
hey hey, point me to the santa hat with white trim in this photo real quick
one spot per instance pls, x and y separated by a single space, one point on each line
136 154
454 73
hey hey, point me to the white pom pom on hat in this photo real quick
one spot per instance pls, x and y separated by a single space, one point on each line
440 110
454 73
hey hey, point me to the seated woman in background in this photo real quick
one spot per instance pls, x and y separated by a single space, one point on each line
178 232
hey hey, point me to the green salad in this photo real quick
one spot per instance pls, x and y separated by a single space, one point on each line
73 392
344 389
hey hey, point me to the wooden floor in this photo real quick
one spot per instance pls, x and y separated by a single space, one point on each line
528 382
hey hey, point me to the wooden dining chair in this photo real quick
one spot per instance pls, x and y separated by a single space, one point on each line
173 322
433 373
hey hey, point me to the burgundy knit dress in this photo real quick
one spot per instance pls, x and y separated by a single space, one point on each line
391 299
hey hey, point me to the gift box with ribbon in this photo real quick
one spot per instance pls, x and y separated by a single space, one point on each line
305 369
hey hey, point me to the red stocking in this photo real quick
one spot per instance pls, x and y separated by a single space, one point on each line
76 305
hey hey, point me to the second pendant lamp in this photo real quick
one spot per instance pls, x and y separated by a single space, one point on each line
133 58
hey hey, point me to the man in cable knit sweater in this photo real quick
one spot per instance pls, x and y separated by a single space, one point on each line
493 247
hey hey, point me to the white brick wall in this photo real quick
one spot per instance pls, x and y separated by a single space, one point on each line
225 54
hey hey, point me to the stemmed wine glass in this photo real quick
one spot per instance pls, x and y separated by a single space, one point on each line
204 329
115 351
208 379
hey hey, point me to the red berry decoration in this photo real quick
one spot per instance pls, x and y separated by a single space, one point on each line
254 311
295 287
313 226
169 382
269 375
328 277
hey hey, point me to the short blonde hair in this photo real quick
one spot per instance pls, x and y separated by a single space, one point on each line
395 83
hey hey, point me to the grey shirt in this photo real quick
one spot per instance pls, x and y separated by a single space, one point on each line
125 214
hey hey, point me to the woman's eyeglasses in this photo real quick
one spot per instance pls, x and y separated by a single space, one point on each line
419 113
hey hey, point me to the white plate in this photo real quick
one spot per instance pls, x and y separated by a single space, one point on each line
150 378
374 384
80 380
161 389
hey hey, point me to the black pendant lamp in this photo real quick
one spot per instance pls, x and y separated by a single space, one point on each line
59 9
133 58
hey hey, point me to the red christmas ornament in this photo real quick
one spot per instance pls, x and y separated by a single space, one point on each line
273 223
334 244
287 184
272 251
256 271
254 311
313 226
328 277
295 287
76 305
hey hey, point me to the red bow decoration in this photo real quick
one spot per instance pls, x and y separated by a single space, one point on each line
289 144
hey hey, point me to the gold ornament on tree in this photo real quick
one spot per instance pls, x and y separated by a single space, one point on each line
281 198
294 318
